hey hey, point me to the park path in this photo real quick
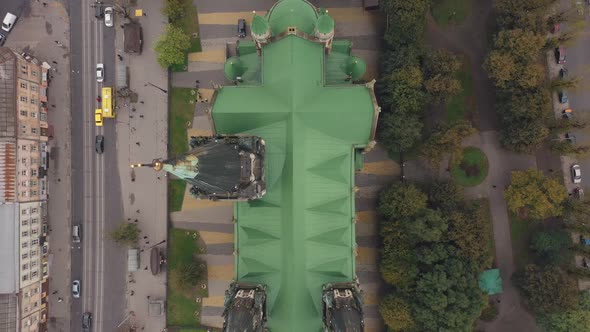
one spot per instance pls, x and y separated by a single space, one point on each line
470 40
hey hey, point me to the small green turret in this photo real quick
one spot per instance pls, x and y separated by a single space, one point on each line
234 68
260 29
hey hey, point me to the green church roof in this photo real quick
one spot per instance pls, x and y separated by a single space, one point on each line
292 13
325 23
301 234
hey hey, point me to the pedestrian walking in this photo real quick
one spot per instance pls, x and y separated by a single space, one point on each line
133 109
45 4
131 116
141 116
136 220
137 211
54 292
137 143
54 62
141 101
144 14
145 237
147 242
145 268
59 299
57 42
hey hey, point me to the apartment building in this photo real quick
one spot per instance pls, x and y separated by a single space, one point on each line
24 156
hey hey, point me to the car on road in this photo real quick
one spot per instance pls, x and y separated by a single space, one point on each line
576 173
563 73
98 117
99 72
2 39
98 11
76 233
241 28
76 289
8 22
562 97
108 16
86 322
560 55
99 144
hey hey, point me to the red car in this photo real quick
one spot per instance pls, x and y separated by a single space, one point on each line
560 55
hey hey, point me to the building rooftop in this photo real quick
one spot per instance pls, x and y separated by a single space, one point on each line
9 248
301 235
7 93
8 312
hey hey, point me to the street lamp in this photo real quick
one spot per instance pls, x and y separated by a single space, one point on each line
155 86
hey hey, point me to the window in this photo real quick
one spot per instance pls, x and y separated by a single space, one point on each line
23 85
25 277
33 264
23 112
24 172
33 192
25 267
35 304
24 147
33 88
33 184
34 221
24 234
43 116
33 114
24 245
34 147
34 73
23 99
33 130
25 256
34 172
34 210
25 222
34 161
24 212
34 242
24 161
34 253
23 193
34 231
34 274
33 101
24 183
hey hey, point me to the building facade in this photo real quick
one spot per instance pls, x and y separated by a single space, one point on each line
24 133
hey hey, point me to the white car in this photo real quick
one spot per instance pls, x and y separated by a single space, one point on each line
108 16
76 289
8 22
576 174
99 72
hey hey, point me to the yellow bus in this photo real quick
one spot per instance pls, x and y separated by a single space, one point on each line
108 103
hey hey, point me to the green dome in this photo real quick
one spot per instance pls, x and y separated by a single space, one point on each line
233 68
259 26
355 67
292 13
325 23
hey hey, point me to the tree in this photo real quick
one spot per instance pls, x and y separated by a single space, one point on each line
404 87
399 131
187 275
172 46
126 234
426 226
401 200
549 244
547 289
501 68
522 14
470 231
174 10
445 195
561 84
440 68
568 148
523 134
396 313
577 320
405 21
446 139
535 194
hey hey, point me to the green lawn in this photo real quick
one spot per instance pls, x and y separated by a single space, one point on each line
190 24
176 188
181 111
474 161
461 105
182 248
521 232
446 12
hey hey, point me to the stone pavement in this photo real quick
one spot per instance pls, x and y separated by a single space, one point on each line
35 33
149 189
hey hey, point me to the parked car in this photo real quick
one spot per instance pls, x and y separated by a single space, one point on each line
570 138
576 173
579 193
76 233
98 11
76 289
241 28
86 322
555 28
560 55
567 113
108 16
584 241
8 22
99 144
563 73
562 97
99 72
2 39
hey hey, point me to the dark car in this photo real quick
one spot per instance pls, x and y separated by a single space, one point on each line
99 144
86 322
563 73
98 11
560 55
2 39
562 97
241 28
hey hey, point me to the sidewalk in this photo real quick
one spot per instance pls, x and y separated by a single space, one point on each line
148 126
36 36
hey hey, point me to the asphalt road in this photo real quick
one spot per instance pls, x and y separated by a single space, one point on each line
578 61
97 202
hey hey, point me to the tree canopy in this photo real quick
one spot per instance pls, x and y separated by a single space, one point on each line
399 131
401 200
535 194
126 233
171 47
446 139
547 289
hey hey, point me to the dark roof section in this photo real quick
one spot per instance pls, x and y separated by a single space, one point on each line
133 38
7 93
